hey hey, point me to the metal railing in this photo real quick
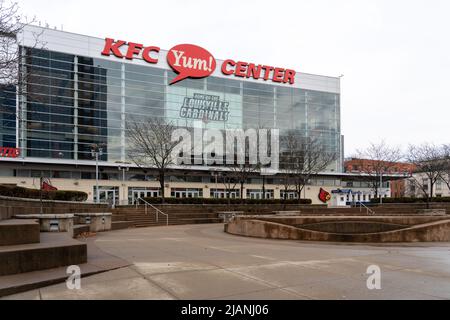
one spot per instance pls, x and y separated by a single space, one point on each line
368 210
157 211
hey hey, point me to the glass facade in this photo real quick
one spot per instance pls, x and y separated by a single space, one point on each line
8 116
73 102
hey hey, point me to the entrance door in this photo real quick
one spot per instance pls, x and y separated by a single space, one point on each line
192 194
138 194
108 196
255 194
180 194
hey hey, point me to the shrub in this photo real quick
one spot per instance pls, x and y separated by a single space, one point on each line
61 195
410 200
225 201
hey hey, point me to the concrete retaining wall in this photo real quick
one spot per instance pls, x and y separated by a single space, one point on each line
40 257
214 208
16 232
400 220
428 232
12 206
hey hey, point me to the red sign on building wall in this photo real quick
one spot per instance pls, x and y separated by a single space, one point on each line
324 195
6 152
149 54
191 61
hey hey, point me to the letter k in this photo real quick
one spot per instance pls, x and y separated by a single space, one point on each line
111 46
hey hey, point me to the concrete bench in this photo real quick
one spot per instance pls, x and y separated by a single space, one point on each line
51 222
227 216
96 221
286 213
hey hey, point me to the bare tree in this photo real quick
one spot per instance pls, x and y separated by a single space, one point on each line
12 25
242 173
288 183
429 162
377 160
445 174
152 146
303 158
230 180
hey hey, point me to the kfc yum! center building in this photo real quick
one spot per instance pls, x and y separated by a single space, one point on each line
81 91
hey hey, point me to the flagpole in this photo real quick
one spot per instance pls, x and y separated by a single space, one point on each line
40 194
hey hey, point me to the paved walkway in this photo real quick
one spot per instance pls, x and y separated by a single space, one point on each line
203 262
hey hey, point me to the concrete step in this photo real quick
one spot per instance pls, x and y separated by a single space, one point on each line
117 225
17 232
200 220
361 213
148 225
194 215
118 217
142 221
183 214
98 261
178 222
54 250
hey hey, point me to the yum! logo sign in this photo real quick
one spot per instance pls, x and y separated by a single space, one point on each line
191 61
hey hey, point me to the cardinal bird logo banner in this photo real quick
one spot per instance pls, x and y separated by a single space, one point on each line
324 196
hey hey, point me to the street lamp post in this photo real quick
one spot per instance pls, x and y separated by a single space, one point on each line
216 174
381 187
124 167
41 180
264 172
96 151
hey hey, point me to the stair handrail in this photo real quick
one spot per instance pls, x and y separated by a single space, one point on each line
368 210
153 207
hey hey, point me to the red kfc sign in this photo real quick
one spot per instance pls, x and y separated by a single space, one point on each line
149 54
191 61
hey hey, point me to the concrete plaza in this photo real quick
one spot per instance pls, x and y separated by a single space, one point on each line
203 262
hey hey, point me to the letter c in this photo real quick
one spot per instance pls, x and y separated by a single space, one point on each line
146 54
224 67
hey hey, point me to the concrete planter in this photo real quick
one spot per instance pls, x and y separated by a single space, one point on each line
51 222
97 222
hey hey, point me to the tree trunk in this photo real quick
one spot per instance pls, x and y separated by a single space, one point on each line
264 188
161 184
376 189
285 197
299 195
431 189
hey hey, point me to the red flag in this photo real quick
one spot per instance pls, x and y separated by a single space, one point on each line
46 186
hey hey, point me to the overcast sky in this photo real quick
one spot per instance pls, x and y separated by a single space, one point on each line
394 54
